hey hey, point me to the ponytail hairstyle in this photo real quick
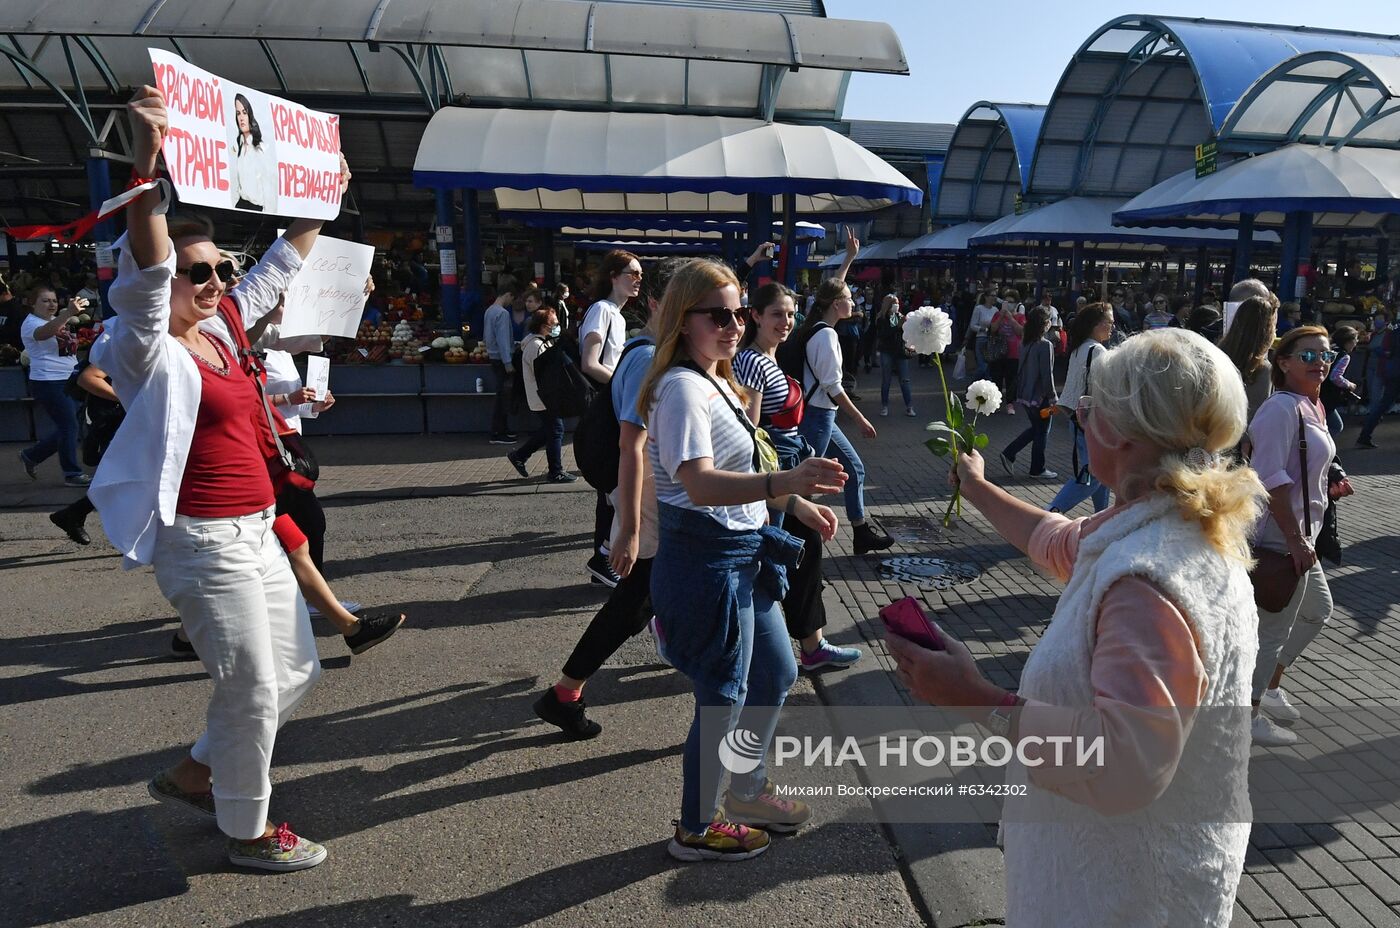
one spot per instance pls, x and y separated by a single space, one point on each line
1175 390
828 292
689 285
1089 318
614 263
759 301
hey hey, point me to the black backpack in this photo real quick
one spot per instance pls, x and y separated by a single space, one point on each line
792 355
597 434
561 384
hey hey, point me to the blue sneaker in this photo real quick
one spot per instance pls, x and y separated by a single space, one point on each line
829 655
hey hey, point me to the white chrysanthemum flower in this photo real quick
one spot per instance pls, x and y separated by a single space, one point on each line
984 397
928 330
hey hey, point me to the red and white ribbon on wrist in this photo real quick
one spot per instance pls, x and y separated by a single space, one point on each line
73 231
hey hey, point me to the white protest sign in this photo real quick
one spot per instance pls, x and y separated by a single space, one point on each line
233 147
1230 310
318 375
327 296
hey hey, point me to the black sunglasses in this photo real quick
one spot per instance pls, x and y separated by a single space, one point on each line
721 316
200 272
1310 356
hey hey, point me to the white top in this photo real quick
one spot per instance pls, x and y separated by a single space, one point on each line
1078 372
604 319
138 482
45 362
982 317
282 373
823 360
690 420
530 349
1054 315
254 175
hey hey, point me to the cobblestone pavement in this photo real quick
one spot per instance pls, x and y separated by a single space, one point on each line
1295 875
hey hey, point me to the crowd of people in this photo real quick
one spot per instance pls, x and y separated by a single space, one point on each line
1205 436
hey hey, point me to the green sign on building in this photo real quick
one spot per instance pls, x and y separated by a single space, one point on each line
1205 159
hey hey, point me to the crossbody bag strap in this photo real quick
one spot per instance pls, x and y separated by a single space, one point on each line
807 360
256 372
739 413
1303 459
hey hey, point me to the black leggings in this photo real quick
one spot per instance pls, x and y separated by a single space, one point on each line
305 510
627 612
803 609
602 523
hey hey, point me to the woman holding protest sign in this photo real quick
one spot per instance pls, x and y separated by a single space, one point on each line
186 487
254 166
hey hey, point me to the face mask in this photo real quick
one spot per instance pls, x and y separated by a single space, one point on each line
554 332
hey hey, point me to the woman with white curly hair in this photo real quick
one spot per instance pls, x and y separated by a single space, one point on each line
1151 648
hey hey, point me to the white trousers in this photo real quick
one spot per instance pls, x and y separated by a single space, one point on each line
232 584
1284 635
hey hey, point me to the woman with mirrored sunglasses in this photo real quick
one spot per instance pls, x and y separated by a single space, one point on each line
1296 478
185 486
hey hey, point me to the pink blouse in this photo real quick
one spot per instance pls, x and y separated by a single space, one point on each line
1146 660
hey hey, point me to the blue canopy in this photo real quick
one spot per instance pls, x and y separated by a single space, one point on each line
988 162
1090 220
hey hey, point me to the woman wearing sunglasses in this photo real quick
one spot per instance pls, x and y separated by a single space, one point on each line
185 486
1297 503
719 569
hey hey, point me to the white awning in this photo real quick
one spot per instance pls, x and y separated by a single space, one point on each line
561 158
949 241
1089 220
887 252
1347 188
1324 97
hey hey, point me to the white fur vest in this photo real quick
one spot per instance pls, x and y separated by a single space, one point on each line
1167 864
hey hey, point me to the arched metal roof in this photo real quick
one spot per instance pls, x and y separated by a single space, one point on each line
988 161
1143 91
807 231
944 242
1326 97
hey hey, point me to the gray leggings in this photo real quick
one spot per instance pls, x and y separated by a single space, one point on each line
1284 635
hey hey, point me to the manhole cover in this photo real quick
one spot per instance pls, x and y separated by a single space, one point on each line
912 530
928 573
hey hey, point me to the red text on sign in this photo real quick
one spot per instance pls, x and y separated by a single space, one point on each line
190 94
296 180
296 125
196 160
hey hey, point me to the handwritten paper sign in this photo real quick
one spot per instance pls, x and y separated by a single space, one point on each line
327 296
233 147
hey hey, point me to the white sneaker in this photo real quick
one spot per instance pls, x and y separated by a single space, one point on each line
884 410
1266 734
909 412
1276 703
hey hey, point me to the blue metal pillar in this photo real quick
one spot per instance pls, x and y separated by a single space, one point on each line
1382 259
469 299
447 262
1202 272
99 180
1076 272
1297 246
760 230
1244 247
787 264
544 247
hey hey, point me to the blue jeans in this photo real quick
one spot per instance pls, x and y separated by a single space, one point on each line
549 436
771 671
889 363
1380 405
822 433
979 349
1036 434
1081 486
50 394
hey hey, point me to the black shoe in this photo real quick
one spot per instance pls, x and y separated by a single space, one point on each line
505 438
72 527
562 477
601 571
374 628
518 464
569 717
182 649
1365 443
30 467
868 540
1007 464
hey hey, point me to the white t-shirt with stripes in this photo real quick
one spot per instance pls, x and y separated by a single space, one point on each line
690 420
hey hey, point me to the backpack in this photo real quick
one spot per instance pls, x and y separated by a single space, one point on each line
596 436
792 357
561 384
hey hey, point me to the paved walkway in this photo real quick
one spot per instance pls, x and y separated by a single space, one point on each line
444 802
